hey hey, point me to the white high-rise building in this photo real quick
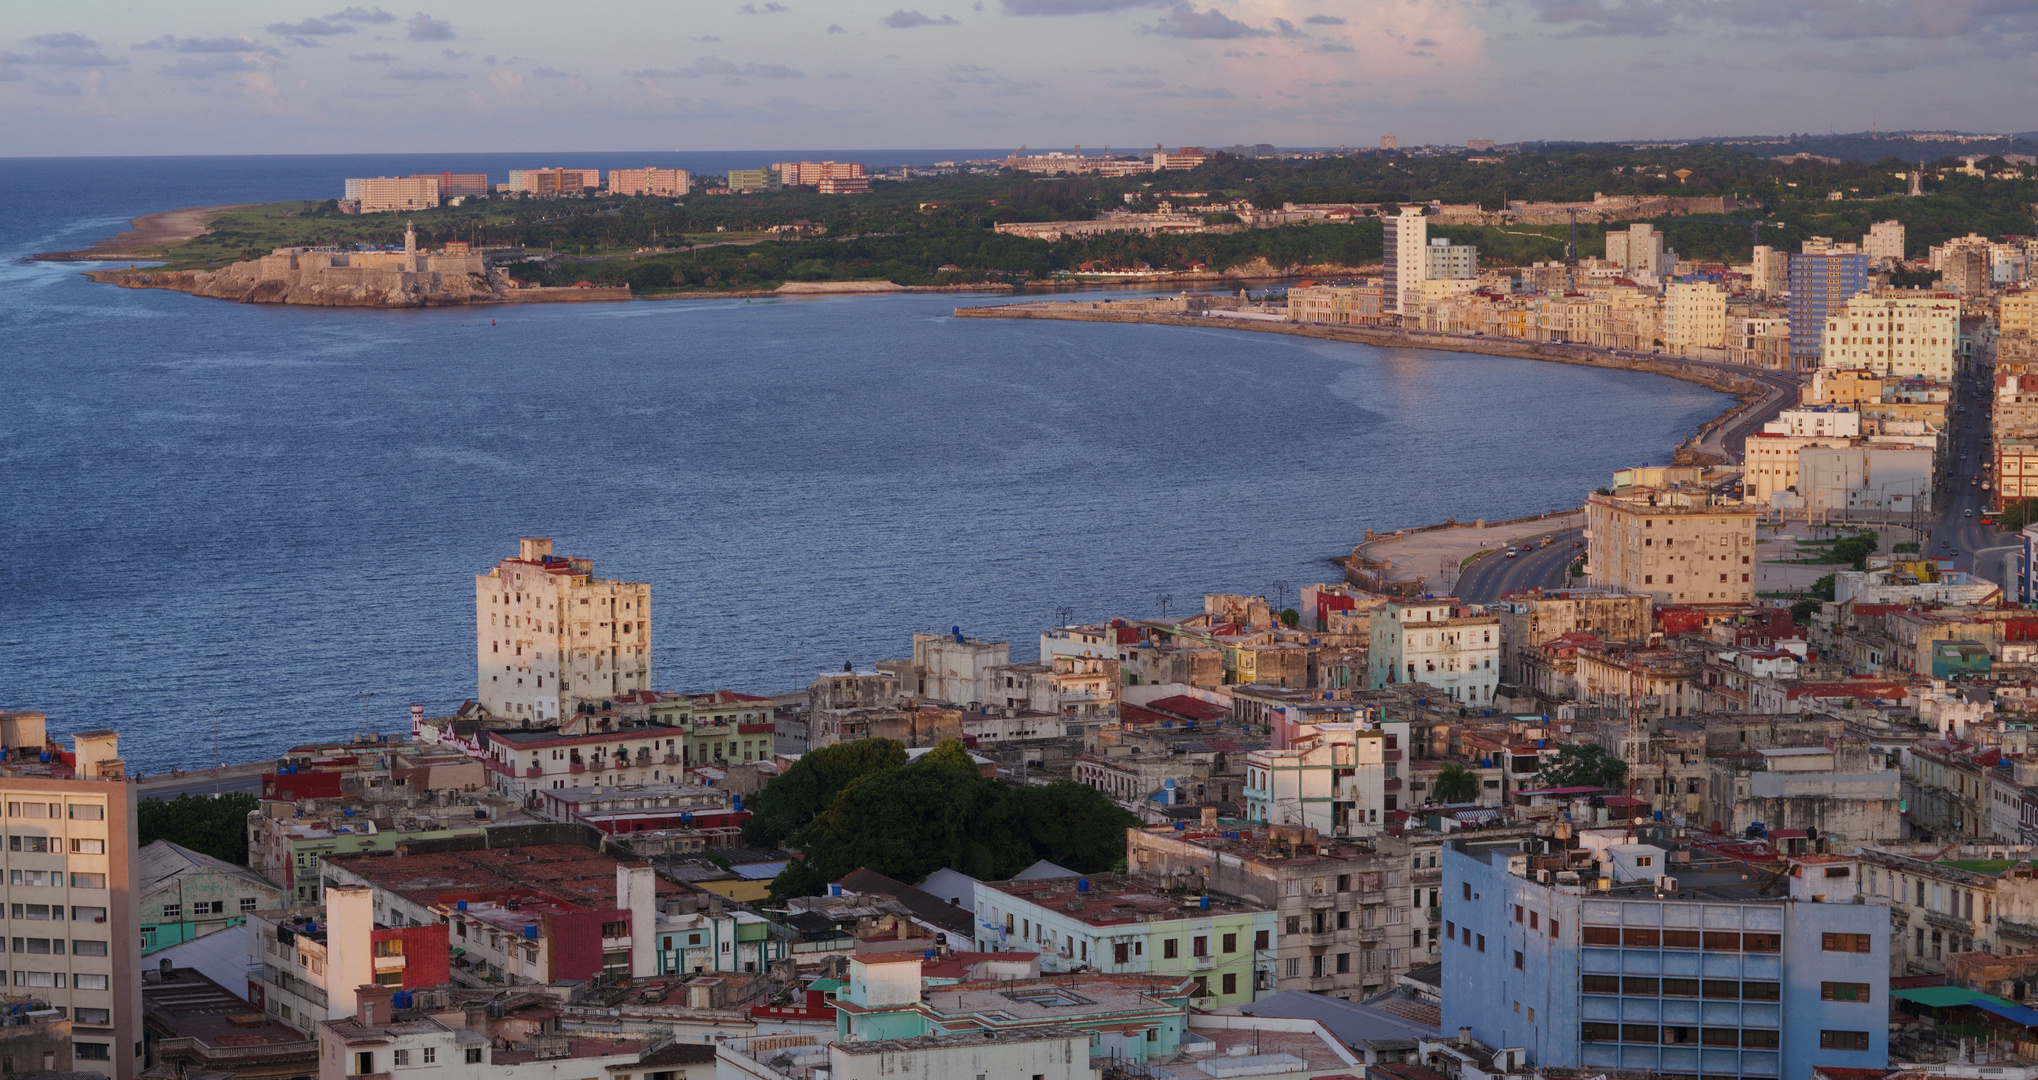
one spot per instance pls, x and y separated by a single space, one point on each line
1885 240
1897 336
1694 317
1639 250
1405 260
71 912
1451 262
550 636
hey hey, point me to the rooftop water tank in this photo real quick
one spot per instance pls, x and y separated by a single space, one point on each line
530 931
1204 903
461 905
1082 884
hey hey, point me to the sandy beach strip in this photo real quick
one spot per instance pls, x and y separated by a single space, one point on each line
150 235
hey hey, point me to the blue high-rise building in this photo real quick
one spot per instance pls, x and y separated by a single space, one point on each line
1685 969
1820 285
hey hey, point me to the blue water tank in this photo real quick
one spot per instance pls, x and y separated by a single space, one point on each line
401 999
348 812
45 756
311 926
1181 826
530 931
461 905
737 804
1204 903
927 955
1542 744
686 818
1486 763
835 889
1082 884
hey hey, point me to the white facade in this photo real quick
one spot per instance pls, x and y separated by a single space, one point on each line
1885 240
1424 642
1694 316
1826 422
1347 780
1769 274
1445 261
1639 250
1406 261
1901 336
549 635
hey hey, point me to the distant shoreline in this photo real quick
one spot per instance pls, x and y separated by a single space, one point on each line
148 236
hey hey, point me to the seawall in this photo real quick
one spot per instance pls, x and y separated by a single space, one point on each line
242 288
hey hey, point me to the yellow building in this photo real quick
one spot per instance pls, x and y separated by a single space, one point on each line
1694 317
2020 313
1679 547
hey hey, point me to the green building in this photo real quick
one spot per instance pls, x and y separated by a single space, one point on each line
187 894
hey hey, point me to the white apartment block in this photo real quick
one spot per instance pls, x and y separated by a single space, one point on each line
1885 241
1405 259
1903 336
1826 421
551 636
1639 250
1678 547
1769 273
382 194
1453 648
1343 780
1445 261
73 939
1694 317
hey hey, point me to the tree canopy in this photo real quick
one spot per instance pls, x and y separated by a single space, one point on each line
907 821
214 825
1455 783
1583 765
787 804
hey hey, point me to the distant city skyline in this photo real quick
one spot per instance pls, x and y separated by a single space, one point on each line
243 77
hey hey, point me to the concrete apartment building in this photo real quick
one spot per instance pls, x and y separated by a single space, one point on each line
454 185
1640 250
1694 317
384 194
1675 963
1343 916
550 636
1342 779
185 894
1123 926
2017 313
660 183
1900 337
1821 282
1405 260
71 895
1679 547
1339 305
552 183
1445 261
1449 646
1884 242
797 173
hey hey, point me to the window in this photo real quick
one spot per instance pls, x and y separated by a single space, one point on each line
1762 943
1680 939
1482 942
88 948
1468 889
1601 984
1260 940
403 1057
90 881
1843 1040
1202 987
1121 953
1601 935
1231 942
1591 1032
1680 988
1717 941
1344 963
1761 991
473 1055
248 903
1517 960
1641 939
1230 983
1719 1036
83 846
1832 991
364 1062
431 1055
92 1051
1450 930
89 982
1853 943
92 1016
1171 949
1200 946
1638 986
1639 1033
84 812
1761 1040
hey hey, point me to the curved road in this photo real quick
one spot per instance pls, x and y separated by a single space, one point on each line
1495 575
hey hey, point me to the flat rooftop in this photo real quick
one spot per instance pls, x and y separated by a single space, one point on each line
1113 900
194 1007
582 875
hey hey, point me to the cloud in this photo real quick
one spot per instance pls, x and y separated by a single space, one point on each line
426 28
708 66
371 57
363 15
422 75
310 28
450 54
1324 20
1210 25
973 75
550 73
1205 93
1148 83
903 19
62 50
168 43
1332 46
768 9
1074 7
836 28
204 67
1287 29
1910 20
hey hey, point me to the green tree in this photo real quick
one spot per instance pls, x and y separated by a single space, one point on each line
787 804
1455 784
1074 825
1583 765
1290 617
215 825
1802 611
2017 515
1822 589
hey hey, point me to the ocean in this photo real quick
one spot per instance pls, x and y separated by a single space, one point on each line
268 518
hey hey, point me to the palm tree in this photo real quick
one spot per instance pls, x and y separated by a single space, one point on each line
1455 784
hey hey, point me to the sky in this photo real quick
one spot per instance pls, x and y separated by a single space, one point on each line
90 77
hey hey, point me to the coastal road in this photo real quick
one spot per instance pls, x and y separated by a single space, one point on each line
1495 575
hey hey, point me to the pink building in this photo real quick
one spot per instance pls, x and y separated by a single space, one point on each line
792 173
666 183
454 185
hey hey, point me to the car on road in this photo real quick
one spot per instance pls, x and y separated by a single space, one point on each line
1969 513
1953 551
1511 553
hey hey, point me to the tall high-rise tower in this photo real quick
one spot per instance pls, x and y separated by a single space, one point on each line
1405 260
550 636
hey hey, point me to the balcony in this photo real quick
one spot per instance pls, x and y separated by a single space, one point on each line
1373 934
534 772
1436 914
1322 901
576 768
390 963
1203 963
